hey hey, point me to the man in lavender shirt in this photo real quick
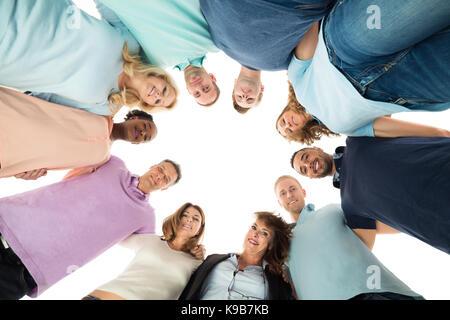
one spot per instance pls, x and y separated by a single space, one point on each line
47 233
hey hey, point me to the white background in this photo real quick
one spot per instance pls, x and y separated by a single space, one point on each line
229 164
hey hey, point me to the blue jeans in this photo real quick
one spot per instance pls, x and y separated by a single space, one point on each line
393 51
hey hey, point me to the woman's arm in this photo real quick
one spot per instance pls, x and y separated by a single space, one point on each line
386 127
307 45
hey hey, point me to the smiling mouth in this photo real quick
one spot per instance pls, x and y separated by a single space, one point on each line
292 202
253 242
136 133
315 166
151 92
187 226
293 121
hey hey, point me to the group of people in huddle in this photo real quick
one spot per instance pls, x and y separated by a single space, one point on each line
351 64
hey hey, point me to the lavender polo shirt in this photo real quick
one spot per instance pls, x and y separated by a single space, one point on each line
58 228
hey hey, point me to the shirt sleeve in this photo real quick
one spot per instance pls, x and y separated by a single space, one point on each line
109 15
297 69
364 131
359 222
132 242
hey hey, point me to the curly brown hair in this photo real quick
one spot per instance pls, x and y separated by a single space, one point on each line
312 130
277 251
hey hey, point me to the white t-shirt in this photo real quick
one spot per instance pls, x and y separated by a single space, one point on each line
157 272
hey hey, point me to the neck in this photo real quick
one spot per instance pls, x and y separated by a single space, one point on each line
249 73
177 243
143 185
246 259
296 215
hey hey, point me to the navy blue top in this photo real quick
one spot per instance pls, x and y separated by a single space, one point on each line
402 182
261 34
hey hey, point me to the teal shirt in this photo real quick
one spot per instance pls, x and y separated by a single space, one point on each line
329 262
58 51
172 33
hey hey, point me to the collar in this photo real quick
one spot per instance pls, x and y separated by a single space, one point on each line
306 212
136 191
234 259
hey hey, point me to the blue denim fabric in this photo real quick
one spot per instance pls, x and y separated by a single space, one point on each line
261 34
406 61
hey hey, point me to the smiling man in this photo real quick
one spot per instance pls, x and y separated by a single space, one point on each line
49 232
402 182
58 137
327 260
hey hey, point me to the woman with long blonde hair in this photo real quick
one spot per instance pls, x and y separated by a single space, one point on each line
163 264
76 60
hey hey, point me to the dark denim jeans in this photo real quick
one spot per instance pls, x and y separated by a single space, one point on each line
15 280
403 57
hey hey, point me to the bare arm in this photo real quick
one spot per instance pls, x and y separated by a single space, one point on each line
386 127
367 236
307 45
385 229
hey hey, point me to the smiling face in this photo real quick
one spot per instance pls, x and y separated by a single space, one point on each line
190 223
290 121
136 130
159 177
155 91
258 238
201 85
291 195
313 163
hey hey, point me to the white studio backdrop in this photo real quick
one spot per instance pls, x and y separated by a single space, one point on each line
229 164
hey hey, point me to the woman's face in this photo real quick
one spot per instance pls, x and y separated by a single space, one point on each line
258 238
190 222
289 122
156 92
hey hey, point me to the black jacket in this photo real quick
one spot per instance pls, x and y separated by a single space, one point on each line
278 289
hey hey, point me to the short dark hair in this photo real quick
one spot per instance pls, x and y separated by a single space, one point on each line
140 114
292 158
177 169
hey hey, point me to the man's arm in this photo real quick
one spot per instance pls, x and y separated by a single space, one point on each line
367 236
386 127
307 46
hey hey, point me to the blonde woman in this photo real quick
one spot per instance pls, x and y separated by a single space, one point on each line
76 60
163 264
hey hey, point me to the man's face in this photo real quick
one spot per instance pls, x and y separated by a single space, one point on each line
160 176
247 91
201 85
138 130
313 163
290 195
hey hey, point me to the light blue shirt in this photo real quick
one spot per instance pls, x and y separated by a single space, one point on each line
227 282
329 96
56 50
329 262
171 32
